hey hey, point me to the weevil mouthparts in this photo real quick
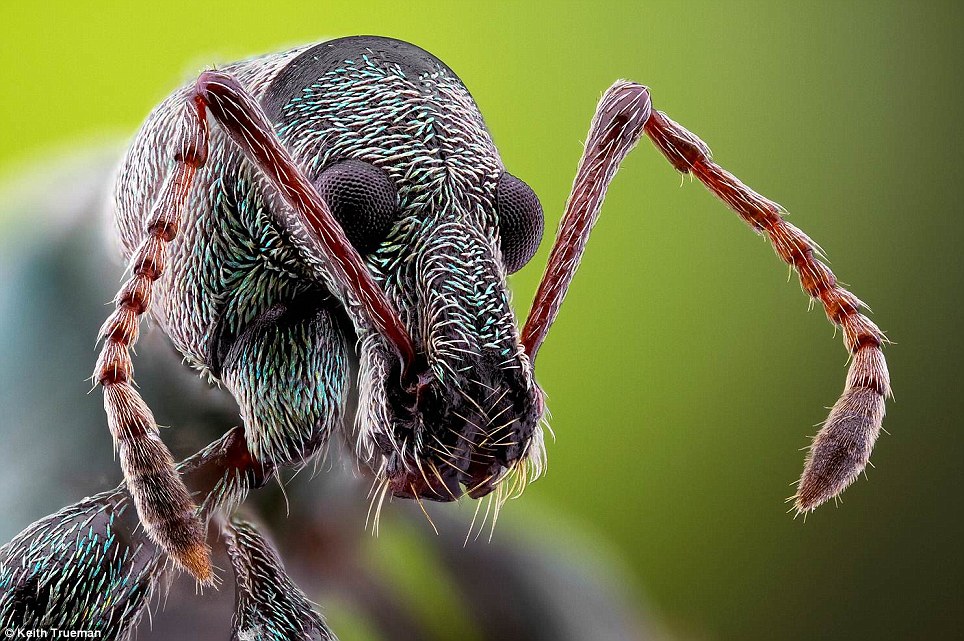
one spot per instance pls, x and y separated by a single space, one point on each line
443 488
449 441
448 484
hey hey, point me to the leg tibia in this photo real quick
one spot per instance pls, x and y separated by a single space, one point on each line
266 596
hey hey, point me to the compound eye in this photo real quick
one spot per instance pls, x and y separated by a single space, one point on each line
362 198
520 221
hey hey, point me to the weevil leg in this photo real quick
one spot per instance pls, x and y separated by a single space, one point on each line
91 566
163 503
842 448
288 370
87 567
267 598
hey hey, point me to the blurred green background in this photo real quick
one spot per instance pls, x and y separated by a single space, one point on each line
685 373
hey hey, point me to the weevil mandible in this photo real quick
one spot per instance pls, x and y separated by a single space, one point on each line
341 208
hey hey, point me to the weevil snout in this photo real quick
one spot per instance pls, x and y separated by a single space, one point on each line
465 417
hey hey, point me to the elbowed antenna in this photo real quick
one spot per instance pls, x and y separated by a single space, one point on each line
842 448
245 122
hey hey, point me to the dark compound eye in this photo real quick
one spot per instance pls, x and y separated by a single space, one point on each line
520 221
362 198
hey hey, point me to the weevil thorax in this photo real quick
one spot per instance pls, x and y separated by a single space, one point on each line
472 416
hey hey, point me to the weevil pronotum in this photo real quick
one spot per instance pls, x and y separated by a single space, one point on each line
339 211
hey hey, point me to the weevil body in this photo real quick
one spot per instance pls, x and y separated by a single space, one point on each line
290 215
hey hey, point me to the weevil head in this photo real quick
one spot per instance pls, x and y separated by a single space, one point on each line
397 147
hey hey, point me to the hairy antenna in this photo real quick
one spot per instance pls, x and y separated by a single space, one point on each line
163 503
842 448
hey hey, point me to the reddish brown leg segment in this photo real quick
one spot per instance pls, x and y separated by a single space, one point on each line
842 448
163 503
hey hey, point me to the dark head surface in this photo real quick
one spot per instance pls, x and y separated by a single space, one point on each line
324 57
381 125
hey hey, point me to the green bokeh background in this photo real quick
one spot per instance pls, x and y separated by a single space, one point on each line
685 372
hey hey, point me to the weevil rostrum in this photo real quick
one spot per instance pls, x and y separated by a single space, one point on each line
332 227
